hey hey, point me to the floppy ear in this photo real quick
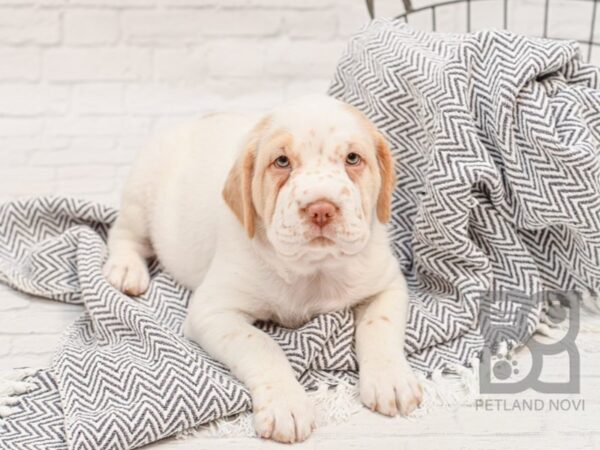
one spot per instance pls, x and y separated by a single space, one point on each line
386 169
237 192
386 166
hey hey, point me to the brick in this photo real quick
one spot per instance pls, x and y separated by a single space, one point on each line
73 64
236 58
81 156
179 65
29 26
11 157
24 181
20 63
26 100
297 88
85 171
15 151
25 174
99 98
352 17
86 27
161 99
310 24
12 361
302 59
118 4
290 4
85 186
189 26
20 126
231 89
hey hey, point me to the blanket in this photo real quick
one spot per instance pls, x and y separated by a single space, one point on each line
495 138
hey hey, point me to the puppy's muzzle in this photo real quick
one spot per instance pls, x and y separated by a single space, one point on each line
320 213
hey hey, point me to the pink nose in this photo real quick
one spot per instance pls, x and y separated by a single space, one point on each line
321 212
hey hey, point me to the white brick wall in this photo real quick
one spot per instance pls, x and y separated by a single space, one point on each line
83 83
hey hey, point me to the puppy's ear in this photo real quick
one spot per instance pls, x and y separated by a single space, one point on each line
386 167
237 192
388 179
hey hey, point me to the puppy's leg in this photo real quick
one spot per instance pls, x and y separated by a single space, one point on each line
129 245
387 383
282 410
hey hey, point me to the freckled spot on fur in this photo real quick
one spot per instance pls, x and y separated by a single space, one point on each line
370 322
392 404
250 335
385 318
268 387
345 191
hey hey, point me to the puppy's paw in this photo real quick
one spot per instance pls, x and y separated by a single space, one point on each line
389 387
283 412
128 272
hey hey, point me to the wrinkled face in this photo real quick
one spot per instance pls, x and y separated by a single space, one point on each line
319 175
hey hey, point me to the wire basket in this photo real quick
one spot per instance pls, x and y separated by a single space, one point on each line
589 44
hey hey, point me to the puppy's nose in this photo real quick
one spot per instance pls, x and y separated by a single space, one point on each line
321 212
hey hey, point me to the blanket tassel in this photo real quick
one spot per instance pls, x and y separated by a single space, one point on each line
13 384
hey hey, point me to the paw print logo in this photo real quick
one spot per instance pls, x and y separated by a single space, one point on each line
510 318
505 368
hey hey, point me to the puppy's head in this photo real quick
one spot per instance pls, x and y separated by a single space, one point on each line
314 175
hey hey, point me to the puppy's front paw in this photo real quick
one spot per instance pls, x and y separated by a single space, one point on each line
283 412
389 387
128 272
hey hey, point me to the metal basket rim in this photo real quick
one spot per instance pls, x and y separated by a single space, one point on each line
410 10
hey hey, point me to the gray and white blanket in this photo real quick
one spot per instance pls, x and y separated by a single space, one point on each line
496 144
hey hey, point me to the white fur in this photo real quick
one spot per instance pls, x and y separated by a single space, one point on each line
172 207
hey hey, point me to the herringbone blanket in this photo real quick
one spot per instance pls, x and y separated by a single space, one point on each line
496 145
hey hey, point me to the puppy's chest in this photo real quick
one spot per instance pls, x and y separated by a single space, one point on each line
307 297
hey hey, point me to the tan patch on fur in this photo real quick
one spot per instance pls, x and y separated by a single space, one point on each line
269 179
237 192
385 318
385 163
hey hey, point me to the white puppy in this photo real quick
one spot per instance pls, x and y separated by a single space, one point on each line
274 218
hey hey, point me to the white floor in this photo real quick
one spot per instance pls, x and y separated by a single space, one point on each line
29 331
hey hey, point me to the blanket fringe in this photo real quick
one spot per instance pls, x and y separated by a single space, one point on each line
337 405
12 385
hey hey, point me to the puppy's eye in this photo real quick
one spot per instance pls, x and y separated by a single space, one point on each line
283 162
353 159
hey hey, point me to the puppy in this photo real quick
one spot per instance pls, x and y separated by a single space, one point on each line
280 218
